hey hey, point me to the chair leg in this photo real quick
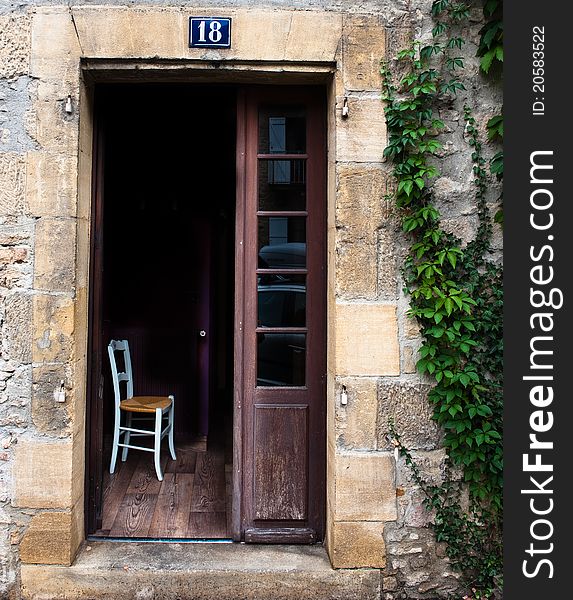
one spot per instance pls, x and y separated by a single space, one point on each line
157 444
126 438
171 425
115 441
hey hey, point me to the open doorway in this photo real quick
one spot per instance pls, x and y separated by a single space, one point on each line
166 185
208 255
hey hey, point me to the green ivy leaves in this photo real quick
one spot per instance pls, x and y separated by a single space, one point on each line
441 278
491 45
455 294
490 48
495 128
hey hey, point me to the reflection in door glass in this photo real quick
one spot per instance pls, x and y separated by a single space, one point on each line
282 130
282 184
282 242
281 359
281 300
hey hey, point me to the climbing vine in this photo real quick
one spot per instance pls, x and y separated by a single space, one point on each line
455 292
490 48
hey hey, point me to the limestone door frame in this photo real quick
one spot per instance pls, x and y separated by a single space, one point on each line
72 48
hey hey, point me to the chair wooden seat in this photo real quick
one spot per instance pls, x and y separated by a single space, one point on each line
145 404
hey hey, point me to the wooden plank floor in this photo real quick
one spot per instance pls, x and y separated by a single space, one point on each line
192 501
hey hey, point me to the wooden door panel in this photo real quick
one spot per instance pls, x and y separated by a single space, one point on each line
169 356
281 473
281 315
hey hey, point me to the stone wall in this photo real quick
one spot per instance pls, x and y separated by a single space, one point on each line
372 343
369 251
16 274
416 566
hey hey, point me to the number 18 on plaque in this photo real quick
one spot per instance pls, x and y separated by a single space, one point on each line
209 32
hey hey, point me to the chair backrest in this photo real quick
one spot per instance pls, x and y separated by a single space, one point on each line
120 346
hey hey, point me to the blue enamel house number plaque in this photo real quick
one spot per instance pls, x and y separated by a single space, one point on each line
209 32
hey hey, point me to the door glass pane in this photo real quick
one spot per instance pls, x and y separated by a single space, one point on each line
282 184
282 242
281 301
281 359
282 130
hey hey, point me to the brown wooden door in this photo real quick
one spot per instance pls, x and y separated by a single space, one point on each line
281 348
163 307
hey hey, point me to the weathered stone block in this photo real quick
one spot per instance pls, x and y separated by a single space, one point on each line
365 487
415 552
399 36
387 264
411 328
337 94
364 45
257 34
12 183
15 383
453 194
313 36
409 359
366 339
78 474
42 474
361 205
222 572
15 268
12 255
360 210
53 318
54 265
51 184
17 343
14 45
412 511
78 525
389 584
356 273
284 35
48 415
54 43
131 32
358 544
432 464
48 539
361 137
50 125
15 234
464 227
407 404
356 422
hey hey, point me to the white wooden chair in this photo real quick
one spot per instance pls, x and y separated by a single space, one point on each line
155 408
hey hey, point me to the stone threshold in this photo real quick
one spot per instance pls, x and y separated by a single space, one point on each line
209 571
